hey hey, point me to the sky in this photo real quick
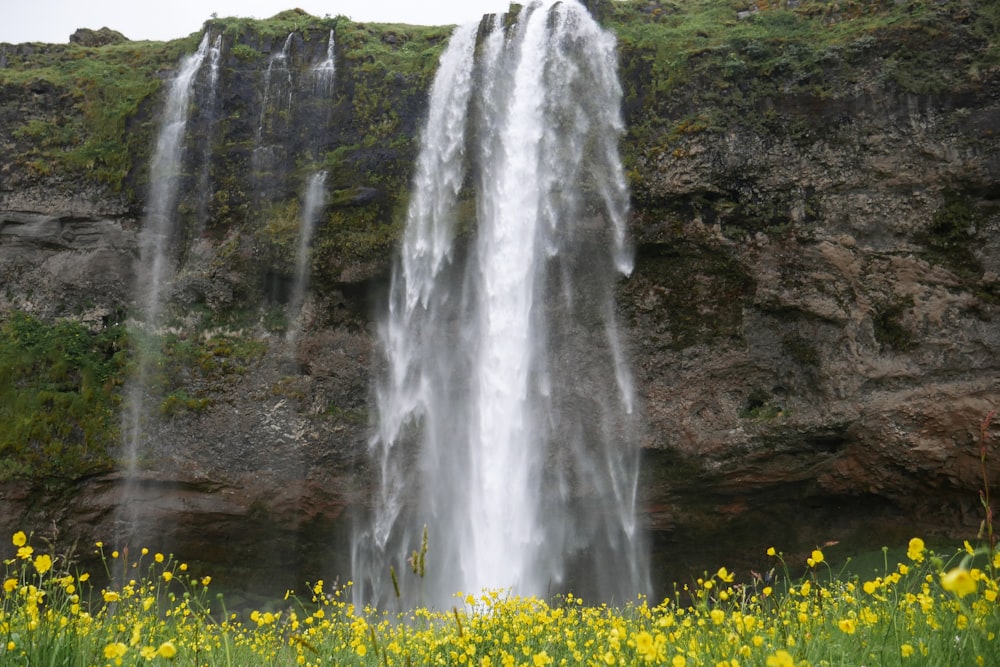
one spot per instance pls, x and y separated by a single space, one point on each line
55 20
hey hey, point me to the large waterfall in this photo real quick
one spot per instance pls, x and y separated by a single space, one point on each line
505 410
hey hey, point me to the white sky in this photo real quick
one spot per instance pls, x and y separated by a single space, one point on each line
55 20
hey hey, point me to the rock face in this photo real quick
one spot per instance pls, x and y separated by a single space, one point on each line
812 317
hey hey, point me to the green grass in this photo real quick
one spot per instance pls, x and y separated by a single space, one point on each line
58 396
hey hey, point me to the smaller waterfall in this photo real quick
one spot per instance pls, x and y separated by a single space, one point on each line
325 72
278 85
211 111
157 245
313 204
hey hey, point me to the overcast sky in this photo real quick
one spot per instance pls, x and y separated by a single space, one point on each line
55 20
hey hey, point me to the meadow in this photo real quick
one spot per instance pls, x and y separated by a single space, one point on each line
927 609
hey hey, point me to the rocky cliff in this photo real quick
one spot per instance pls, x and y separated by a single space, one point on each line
816 196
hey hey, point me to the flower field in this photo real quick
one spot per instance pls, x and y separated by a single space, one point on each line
929 610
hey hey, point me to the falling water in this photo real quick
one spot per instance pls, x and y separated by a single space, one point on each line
314 201
156 244
210 110
277 84
506 420
325 71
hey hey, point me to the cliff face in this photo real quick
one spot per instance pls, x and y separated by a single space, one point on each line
811 318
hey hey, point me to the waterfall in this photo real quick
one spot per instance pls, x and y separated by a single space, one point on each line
278 84
325 71
211 111
506 417
315 198
157 242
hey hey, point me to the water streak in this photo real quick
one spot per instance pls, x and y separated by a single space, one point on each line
210 111
325 72
506 410
315 199
157 244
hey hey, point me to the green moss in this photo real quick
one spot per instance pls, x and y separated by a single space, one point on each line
99 92
713 288
58 397
888 326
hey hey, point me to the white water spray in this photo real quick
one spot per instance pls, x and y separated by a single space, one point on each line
312 205
506 408
157 242
325 72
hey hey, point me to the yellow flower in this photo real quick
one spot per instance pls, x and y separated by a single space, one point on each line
817 556
9 585
968 548
361 649
906 650
167 650
111 596
206 580
168 575
147 652
915 550
959 582
25 552
541 659
718 616
115 650
847 625
780 659
679 661
43 563
870 587
158 557
19 539
645 646
771 551
725 575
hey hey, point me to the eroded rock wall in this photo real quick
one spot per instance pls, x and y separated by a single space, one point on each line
811 320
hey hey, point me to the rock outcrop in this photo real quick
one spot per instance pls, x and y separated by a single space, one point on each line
812 318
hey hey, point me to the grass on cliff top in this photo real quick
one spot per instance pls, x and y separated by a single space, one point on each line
928 609
89 95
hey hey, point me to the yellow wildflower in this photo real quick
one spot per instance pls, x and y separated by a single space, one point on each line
771 551
725 575
43 563
541 659
206 580
9 585
718 616
115 650
168 575
679 661
25 552
19 539
915 550
158 557
817 556
780 659
906 650
847 625
959 582
167 650
111 596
